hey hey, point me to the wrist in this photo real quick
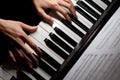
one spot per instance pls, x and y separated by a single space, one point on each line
1 20
2 23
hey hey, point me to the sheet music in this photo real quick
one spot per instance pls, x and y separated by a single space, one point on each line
101 60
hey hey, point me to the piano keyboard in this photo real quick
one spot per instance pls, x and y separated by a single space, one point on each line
59 40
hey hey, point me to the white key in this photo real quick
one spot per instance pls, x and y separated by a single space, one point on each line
84 20
86 12
39 70
81 18
37 38
49 64
101 4
45 33
66 30
1 78
4 74
91 7
80 29
29 75
41 58
63 28
49 29
42 73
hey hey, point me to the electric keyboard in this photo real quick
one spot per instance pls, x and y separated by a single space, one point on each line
63 43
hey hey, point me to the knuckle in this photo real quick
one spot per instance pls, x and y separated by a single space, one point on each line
19 22
19 34
22 35
54 4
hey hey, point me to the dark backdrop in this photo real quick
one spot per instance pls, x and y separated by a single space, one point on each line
21 10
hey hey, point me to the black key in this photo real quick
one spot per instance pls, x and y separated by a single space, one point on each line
75 20
22 76
74 29
106 2
34 73
85 14
60 42
95 5
44 66
13 78
88 9
49 59
65 36
55 48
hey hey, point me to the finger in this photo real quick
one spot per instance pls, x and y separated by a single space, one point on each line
46 17
19 53
28 28
11 55
69 6
31 44
22 58
24 38
30 55
26 59
62 11
27 51
14 52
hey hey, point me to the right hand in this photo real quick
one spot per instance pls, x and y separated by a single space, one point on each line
57 5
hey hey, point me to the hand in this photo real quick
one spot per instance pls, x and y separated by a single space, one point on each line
15 32
58 5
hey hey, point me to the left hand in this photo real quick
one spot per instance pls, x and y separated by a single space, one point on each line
14 31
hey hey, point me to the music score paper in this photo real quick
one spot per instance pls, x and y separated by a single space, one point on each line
101 60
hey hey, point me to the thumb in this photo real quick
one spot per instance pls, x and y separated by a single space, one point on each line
46 17
28 28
